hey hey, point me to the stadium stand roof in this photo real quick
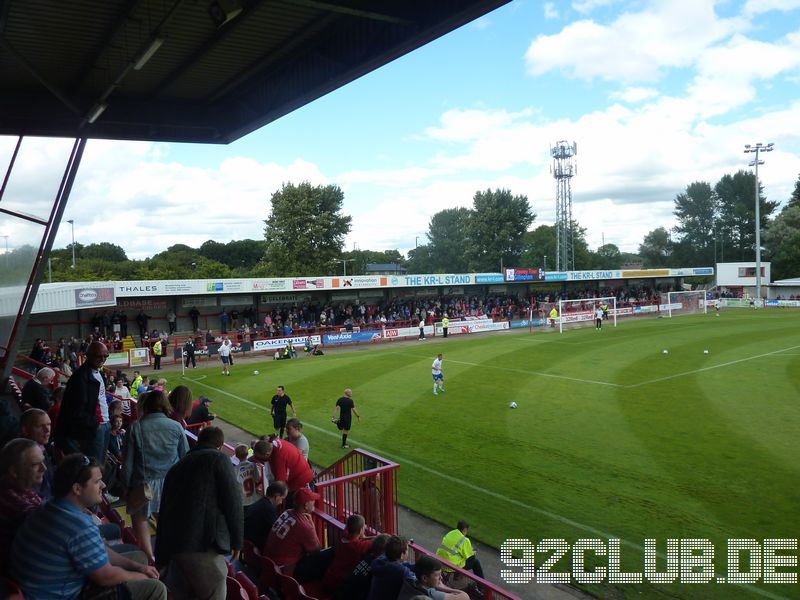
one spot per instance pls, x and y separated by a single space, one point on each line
206 71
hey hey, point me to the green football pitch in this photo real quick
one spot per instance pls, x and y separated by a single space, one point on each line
612 437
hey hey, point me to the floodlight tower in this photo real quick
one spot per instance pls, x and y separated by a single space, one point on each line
757 149
563 168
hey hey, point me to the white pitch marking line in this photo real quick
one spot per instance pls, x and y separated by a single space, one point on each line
482 490
523 371
727 364
195 380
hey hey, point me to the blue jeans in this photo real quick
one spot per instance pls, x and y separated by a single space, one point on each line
101 441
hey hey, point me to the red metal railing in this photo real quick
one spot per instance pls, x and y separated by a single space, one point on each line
363 483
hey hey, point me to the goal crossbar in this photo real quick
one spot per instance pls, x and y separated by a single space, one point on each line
587 314
687 302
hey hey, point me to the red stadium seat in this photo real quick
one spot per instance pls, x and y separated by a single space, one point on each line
129 537
292 590
249 587
270 574
252 556
235 590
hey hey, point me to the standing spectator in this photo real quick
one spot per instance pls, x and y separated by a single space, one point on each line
249 475
35 424
188 353
200 412
35 391
201 520
225 356
22 469
56 397
288 465
194 315
234 319
294 434
83 424
260 517
223 321
75 555
158 351
343 414
141 321
180 399
278 410
172 321
153 445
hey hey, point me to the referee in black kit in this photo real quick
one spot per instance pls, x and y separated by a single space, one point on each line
346 408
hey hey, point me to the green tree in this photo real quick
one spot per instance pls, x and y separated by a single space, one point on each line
696 209
421 260
782 240
541 243
737 213
447 241
359 259
608 256
496 228
305 230
794 199
104 251
656 248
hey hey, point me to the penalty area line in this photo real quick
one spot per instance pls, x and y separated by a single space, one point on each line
481 490
712 367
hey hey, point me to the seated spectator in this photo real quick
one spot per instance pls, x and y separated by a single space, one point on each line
35 424
292 542
22 469
55 397
351 549
115 409
390 570
456 547
117 444
261 516
294 434
180 399
35 392
428 583
77 559
201 520
356 585
200 412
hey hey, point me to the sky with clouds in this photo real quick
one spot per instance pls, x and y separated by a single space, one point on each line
656 93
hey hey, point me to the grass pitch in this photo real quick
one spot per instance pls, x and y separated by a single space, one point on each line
612 437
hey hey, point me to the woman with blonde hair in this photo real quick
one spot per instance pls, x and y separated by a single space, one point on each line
154 443
180 399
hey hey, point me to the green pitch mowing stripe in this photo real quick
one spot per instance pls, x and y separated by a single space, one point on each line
611 438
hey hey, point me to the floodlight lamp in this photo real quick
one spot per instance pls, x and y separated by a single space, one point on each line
148 54
96 111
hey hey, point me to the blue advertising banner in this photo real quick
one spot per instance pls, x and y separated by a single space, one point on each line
708 270
489 278
519 324
350 337
555 276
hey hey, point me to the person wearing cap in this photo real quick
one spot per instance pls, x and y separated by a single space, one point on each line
292 542
200 412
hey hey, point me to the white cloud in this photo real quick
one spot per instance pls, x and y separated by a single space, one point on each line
755 7
634 47
587 6
550 10
634 95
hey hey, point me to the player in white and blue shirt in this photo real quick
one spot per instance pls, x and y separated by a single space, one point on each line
438 376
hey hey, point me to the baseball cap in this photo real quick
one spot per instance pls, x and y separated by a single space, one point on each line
303 495
205 399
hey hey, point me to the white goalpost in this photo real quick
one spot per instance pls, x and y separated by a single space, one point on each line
685 303
582 310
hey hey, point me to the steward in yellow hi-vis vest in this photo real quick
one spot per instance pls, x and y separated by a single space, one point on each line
445 325
553 316
457 549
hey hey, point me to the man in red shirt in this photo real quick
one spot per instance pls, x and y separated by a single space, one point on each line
351 549
289 465
292 538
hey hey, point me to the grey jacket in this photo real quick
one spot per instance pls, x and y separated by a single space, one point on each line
156 442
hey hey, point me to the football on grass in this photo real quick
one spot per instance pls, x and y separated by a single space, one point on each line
512 405
255 372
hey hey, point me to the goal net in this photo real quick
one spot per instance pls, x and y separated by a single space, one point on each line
684 303
582 312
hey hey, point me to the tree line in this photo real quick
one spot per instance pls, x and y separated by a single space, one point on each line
305 232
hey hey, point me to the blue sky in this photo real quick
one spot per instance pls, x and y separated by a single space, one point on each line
657 94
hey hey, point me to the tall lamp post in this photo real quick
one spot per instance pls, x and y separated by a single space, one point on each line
545 263
757 149
72 224
344 262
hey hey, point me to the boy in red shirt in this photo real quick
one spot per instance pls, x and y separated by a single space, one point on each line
351 549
